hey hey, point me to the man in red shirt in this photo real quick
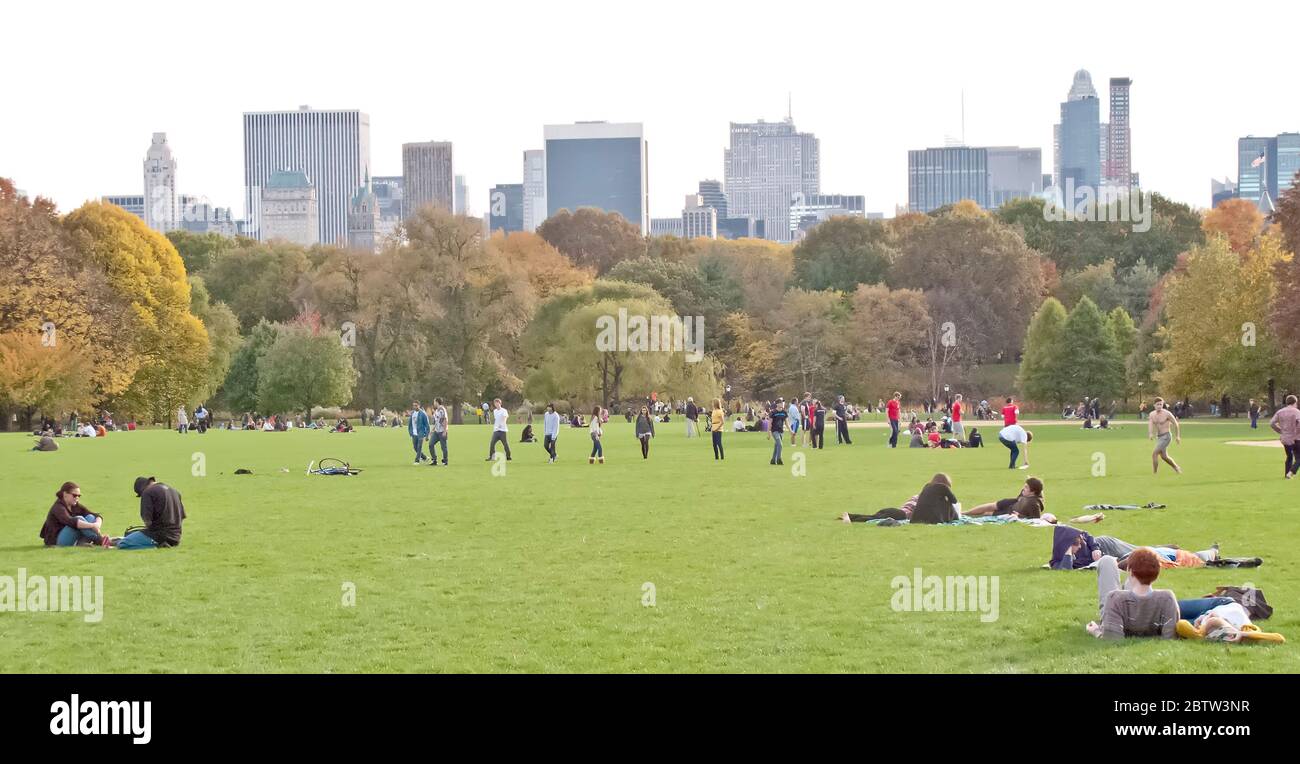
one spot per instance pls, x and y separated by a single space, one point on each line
958 430
1009 413
892 407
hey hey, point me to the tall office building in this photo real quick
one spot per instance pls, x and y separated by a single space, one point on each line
937 177
427 177
1079 136
332 147
714 196
1119 158
1288 162
1014 173
506 208
289 208
766 164
598 164
461 194
364 232
698 219
1256 165
160 210
131 203
534 189
808 210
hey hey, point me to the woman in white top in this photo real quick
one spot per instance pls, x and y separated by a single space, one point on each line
597 449
182 421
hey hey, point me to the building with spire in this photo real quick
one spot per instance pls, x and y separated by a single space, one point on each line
160 209
363 219
1078 136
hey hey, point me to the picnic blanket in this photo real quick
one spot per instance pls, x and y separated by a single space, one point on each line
1148 505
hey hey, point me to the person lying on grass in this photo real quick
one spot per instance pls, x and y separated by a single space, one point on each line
934 504
70 523
1135 609
1225 622
1073 549
1028 505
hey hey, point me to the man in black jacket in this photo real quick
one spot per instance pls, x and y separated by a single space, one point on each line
162 512
692 416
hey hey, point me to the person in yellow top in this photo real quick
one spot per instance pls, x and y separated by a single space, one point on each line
716 419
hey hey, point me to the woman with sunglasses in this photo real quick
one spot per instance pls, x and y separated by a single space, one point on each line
70 522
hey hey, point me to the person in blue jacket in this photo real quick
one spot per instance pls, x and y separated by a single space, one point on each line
418 429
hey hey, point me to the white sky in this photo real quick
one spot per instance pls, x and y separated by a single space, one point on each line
88 83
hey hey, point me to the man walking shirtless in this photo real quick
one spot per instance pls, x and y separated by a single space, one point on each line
1159 425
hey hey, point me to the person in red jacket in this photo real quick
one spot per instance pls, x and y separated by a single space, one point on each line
1010 413
958 429
892 408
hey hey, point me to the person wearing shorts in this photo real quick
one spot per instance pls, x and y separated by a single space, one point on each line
958 429
1163 428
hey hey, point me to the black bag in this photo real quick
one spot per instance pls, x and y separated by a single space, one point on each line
1249 597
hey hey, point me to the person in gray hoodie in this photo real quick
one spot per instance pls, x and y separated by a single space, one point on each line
550 430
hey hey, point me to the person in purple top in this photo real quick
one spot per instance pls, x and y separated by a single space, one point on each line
1286 423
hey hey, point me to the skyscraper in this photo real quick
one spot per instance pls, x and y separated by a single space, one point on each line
766 164
807 211
1014 173
938 177
160 210
598 164
1256 170
388 194
1119 160
461 194
427 177
714 196
698 219
289 208
330 147
534 189
1288 162
1079 139
506 208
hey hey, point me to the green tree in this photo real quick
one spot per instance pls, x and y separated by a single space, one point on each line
1097 282
304 368
199 250
240 389
1090 364
259 280
223 335
1041 375
843 252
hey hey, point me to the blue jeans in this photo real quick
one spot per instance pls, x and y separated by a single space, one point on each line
1015 450
418 443
597 448
1190 610
435 438
68 536
137 540
893 433
776 446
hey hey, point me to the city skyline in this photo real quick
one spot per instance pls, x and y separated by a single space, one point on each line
864 131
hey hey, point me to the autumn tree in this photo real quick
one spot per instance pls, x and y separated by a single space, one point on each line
1239 221
38 377
1284 314
592 238
843 252
884 339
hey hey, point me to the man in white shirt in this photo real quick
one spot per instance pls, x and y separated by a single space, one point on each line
499 435
1013 436
550 430
438 432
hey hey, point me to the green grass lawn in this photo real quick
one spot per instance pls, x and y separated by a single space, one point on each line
542 568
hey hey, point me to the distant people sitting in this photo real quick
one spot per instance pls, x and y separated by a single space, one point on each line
738 425
86 430
46 443
342 425
161 510
976 440
69 523
527 436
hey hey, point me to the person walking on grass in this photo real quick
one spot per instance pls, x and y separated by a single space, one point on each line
1253 410
893 411
958 429
645 430
1013 437
438 433
717 418
418 427
182 421
692 417
550 431
1159 426
778 415
500 433
841 422
792 417
1286 423
597 448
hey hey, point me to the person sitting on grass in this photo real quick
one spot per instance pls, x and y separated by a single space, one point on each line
933 505
69 523
976 440
738 425
342 425
161 510
1027 505
46 443
1134 610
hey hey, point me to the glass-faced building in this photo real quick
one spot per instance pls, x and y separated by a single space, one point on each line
598 164
506 208
938 177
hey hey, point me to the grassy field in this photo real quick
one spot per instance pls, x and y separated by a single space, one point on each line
545 568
